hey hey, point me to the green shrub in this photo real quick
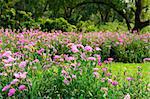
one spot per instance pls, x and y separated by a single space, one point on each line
113 27
17 19
145 30
56 24
87 26
135 51
7 19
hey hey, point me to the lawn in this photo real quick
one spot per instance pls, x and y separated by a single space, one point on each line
131 68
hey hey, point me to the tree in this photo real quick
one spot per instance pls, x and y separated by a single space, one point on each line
138 24
122 9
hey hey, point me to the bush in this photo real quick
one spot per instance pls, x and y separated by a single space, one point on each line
26 20
89 26
56 24
7 19
122 47
113 27
145 30
86 26
17 20
135 52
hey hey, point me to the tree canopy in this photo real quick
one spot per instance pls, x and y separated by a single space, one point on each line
136 12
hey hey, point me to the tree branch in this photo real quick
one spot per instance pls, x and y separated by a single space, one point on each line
145 23
44 9
111 5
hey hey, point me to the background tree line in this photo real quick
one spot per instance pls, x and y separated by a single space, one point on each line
67 15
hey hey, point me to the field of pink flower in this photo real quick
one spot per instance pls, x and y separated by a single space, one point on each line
36 64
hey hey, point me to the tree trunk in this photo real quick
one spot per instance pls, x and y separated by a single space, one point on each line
138 25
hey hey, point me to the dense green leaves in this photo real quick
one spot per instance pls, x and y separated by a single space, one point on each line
13 12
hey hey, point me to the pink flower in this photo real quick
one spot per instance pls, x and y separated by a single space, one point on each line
0 54
80 37
69 58
88 48
97 49
23 64
64 73
17 75
109 80
108 74
0 41
56 57
96 74
23 75
106 62
66 82
103 79
99 63
120 40
92 58
129 78
10 59
40 51
146 60
110 59
74 49
74 76
99 58
61 59
36 60
80 46
22 87
7 54
114 83
8 65
83 56
20 75
117 43
6 87
127 96
104 69
95 69
27 47
11 92
73 65
14 81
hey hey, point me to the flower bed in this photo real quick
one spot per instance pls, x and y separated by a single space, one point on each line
64 65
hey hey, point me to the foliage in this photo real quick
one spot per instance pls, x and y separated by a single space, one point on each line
56 24
145 30
77 87
89 26
133 52
86 26
74 11
113 27
17 19
39 64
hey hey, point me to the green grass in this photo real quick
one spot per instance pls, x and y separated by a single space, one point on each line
131 69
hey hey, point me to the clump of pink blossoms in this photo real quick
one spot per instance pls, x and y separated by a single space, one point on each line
11 92
88 48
